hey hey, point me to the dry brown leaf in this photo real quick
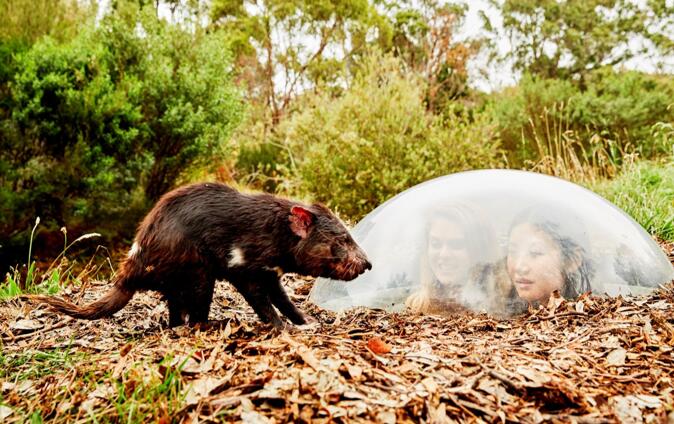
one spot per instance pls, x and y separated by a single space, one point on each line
430 385
26 325
537 378
438 415
125 349
617 357
628 409
276 389
354 371
102 393
5 412
308 357
386 417
201 388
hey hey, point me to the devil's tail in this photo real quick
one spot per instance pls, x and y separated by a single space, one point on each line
114 300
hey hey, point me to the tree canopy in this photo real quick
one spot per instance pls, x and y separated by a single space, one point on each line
570 38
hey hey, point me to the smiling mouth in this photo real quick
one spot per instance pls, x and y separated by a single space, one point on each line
524 282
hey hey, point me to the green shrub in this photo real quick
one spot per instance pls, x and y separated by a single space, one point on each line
621 107
355 151
28 21
105 123
645 191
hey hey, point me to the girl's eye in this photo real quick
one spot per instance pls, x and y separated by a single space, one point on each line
456 244
535 253
453 244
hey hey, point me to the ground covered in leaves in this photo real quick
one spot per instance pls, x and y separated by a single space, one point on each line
594 360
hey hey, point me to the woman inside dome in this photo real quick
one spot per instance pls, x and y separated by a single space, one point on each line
547 251
457 268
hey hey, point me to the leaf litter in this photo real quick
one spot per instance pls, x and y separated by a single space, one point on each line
593 360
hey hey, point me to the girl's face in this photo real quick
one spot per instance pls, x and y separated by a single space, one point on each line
534 263
447 252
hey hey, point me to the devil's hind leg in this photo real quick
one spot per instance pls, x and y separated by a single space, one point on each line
178 314
189 293
200 300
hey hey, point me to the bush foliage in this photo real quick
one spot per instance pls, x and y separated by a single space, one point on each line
645 191
355 151
620 107
97 127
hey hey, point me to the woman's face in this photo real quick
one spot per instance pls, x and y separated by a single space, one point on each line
534 263
447 252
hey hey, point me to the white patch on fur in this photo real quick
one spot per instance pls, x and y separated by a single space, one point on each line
135 249
236 257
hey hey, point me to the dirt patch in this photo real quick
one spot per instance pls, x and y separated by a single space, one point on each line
595 360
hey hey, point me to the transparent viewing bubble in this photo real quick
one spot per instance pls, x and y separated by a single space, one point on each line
496 241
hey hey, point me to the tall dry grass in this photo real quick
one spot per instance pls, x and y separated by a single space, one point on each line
568 153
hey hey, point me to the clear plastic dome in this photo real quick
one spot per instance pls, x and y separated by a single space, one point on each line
496 241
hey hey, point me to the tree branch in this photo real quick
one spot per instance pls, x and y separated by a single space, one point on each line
325 37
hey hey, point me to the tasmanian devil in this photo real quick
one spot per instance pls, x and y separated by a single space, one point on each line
200 233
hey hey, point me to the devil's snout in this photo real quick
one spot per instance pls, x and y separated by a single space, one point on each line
362 263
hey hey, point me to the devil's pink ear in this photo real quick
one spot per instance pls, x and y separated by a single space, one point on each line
300 220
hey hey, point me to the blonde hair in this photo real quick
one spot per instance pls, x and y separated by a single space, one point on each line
479 243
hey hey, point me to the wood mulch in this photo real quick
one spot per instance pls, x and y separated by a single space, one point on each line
594 360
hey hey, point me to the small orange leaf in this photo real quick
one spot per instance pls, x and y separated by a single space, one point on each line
125 349
378 346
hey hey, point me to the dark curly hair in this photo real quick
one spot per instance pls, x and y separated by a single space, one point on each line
570 235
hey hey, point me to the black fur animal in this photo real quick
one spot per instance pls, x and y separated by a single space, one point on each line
201 233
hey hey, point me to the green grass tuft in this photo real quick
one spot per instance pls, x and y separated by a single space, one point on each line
37 364
645 191
34 281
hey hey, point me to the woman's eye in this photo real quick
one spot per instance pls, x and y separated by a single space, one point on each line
456 244
535 253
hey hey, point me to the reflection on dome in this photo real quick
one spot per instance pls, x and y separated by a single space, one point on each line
496 240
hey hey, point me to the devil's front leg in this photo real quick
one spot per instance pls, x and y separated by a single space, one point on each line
253 287
280 299
264 287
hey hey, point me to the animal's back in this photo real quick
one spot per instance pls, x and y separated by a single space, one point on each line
195 226
188 213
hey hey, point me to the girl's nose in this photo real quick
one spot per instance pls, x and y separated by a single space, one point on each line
447 252
521 265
